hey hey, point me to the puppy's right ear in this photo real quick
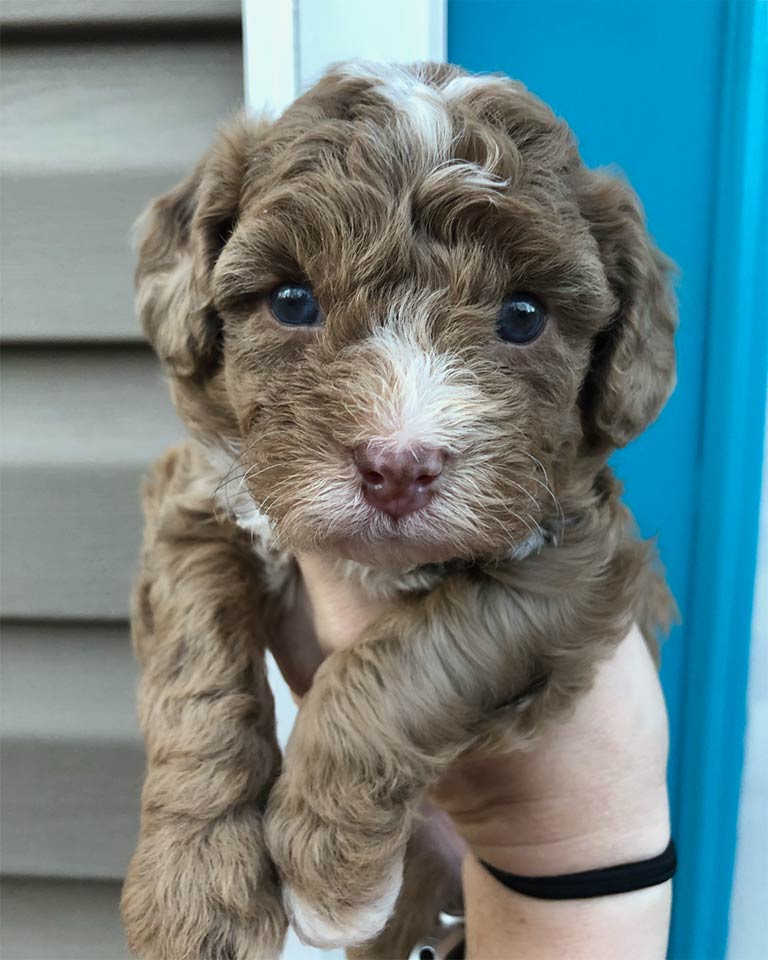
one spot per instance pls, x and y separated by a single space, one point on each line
633 362
180 237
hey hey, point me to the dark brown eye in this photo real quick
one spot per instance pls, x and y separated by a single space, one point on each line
294 305
521 318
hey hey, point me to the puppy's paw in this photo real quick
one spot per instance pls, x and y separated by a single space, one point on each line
345 928
340 882
206 893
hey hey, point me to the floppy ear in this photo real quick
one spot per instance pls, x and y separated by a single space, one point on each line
633 359
181 235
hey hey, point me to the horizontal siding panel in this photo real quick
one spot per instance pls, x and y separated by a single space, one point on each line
79 427
79 107
84 406
50 920
71 753
48 13
68 682
70 543
69 810
73 278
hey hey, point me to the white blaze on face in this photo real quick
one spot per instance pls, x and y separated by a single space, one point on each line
420 396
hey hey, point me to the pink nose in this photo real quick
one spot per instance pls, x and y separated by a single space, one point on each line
399 482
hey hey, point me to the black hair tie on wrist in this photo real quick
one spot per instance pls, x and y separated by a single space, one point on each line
624 878
602 882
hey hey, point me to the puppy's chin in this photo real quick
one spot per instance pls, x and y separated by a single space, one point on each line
379 541
394 553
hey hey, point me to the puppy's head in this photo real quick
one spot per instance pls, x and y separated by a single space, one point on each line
410 310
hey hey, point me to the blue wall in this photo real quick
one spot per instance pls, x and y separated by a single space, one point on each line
640 82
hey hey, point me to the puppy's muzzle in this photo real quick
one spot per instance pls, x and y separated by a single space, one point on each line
399 481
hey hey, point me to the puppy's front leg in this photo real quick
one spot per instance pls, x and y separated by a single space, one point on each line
382 720
200 885
386 716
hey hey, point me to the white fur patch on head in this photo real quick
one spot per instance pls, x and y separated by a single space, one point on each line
458 88
417 105
423 112
318 931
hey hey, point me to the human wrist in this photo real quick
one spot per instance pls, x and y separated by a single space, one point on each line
591 791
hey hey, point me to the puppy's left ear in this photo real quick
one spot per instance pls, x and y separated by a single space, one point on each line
180 237
633 359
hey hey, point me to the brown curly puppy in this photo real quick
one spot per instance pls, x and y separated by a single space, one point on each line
405 327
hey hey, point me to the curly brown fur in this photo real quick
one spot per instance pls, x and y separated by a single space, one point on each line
412 200
200 885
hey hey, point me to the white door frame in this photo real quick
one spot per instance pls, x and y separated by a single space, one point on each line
288 43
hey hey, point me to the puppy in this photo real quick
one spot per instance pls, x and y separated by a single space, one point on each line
405 327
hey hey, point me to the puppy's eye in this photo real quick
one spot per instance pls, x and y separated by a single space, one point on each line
294 305
521 318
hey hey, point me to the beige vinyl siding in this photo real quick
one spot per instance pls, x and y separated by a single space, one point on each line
80 425
38 14
50 920
90 131
71 756
105 104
